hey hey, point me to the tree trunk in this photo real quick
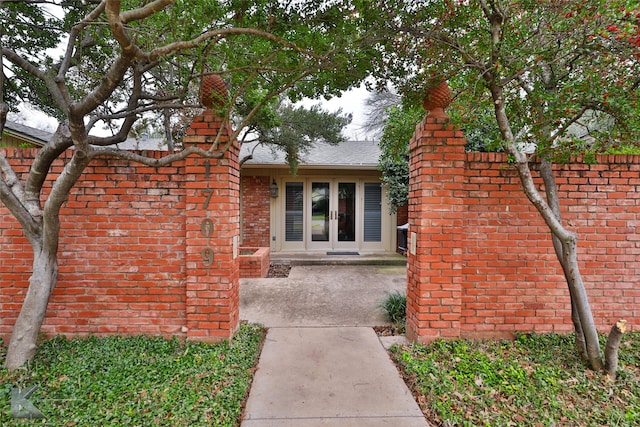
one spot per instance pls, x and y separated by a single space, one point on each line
551 190
166 120
24 337
611 349
581 302
569 250
569 262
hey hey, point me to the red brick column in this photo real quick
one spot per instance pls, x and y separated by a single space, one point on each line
436 210
212 234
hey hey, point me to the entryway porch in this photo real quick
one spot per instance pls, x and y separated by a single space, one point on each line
338 258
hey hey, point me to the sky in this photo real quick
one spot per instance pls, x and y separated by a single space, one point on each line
34 118
351 102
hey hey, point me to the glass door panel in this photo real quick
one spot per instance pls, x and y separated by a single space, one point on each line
346 215
320 210
334 215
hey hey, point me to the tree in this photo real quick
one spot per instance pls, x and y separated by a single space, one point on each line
123 60
541 67
292 130
398 119
399 126
378 104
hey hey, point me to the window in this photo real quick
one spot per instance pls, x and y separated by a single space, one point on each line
294 206
372 212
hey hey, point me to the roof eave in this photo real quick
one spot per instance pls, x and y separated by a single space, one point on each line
315 166
27 138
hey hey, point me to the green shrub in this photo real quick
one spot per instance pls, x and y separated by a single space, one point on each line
395 306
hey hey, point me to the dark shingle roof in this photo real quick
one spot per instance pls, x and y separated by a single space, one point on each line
36 136
143 143
347 154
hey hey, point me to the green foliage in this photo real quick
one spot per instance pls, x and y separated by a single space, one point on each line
399 126
294 130
567 76
314 48
25 22
554 67
395 175
139 380
479 128
394 158
395 306
533 380
625 149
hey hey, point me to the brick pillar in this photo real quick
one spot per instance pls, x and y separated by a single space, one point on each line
212 234
436 209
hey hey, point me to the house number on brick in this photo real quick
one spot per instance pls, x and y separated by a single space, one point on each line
206 228
207 256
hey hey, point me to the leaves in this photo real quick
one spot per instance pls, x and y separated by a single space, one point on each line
394 158
139 380
552 62
295 48
394 305
292 130
533 380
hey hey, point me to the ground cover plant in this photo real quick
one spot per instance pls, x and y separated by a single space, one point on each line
136 381
535 380
394 306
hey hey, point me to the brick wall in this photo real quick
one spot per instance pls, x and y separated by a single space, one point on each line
131 249
255 211
484 263
134 240
254 262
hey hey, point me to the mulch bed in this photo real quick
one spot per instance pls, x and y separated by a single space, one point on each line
387 330
278 270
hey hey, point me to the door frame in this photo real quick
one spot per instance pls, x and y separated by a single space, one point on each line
279 217
333 217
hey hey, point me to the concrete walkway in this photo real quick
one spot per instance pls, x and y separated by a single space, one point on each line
321 295
319 365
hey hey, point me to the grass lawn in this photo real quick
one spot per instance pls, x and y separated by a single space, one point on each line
536 380
137 381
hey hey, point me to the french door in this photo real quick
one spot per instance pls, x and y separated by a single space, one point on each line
332 214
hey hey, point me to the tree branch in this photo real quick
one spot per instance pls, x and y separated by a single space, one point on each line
144 11
58 93
129 49
12 195
551 190
148 161
223 33
60 141
73 35
128 113
109 83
